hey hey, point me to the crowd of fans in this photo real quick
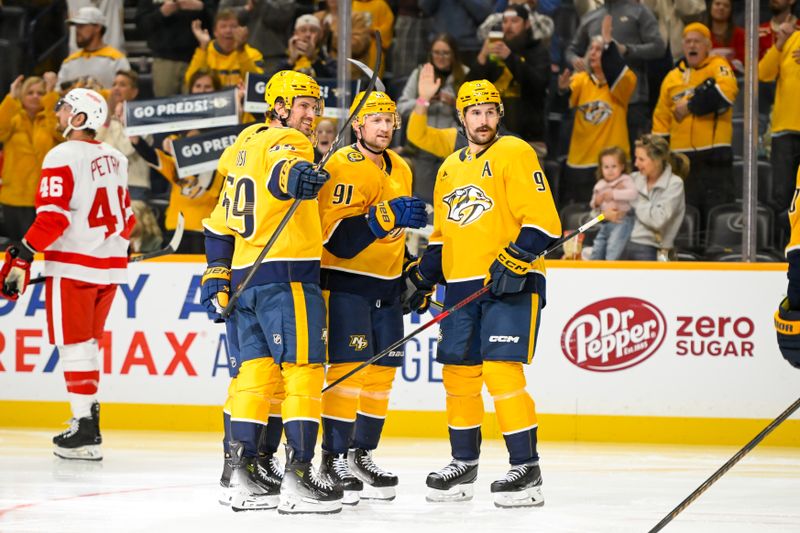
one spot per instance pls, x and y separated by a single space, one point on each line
633 107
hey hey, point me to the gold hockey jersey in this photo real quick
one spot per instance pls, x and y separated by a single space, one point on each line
484 201
356 184
251 206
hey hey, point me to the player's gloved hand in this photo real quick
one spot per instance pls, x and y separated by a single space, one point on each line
787 325
215 290
301 180
16 271
507 273
417 296
400 212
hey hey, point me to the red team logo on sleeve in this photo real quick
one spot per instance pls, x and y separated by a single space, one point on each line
613 334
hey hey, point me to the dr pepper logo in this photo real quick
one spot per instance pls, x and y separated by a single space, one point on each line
613 334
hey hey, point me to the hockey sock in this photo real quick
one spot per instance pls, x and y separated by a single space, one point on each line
373 404
302 407
255 384
226 416
271 436
82 375
339 407
463 385
516 411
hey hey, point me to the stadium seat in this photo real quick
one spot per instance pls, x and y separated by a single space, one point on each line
782 230
12 23
573 216
764 181
552 169
724 229
687 242
737 142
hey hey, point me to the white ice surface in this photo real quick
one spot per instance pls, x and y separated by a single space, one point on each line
167 482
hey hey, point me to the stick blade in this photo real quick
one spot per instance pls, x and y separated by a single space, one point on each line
369 72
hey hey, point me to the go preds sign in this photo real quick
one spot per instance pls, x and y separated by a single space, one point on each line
613 334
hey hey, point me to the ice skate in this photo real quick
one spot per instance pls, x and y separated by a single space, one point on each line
82 439
378 483
335 467
522 487
249 487
225 482
453 483
303 490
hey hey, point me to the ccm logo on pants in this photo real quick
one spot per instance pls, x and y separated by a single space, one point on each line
503 338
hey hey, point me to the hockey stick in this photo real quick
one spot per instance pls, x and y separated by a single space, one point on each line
444 314
296 203
727 466
170 248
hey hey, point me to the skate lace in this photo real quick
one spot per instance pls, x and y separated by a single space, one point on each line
453 470
72 429
341 467
368 464
516 472
320 482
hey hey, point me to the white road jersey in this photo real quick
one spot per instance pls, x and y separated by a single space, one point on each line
87 182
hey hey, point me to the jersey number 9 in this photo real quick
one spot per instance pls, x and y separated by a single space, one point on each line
240 210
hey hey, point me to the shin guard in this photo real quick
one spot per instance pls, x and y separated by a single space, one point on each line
463 385
302 407
255 385
81 366
339 407
373 404
516 411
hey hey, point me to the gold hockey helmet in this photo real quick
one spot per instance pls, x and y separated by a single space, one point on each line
478 92
378 102
288 85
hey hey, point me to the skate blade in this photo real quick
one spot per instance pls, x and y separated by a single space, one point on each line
459 493
253 503
91 452
378 494
291 505
351 497
531 497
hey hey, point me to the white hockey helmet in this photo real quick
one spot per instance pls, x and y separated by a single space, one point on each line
88 102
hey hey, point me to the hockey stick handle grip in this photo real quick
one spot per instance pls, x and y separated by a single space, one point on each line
441 316
727 466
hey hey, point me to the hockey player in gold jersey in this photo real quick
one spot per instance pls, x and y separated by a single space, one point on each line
493 212
364 209
280 316
787 317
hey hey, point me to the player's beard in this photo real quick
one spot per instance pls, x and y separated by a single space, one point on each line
376 144
482 135
306 127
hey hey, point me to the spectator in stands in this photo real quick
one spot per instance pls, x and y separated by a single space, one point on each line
542 26
600 97
194 196
27 133
694 110
269 23
660 205
114 13
382 20
411 29
168 26
446 68
727 39
360 34
768 31
672 17
612 196
228 55
519 66
782 62
303 52
635 30
459 18
326 133
125 89
95 59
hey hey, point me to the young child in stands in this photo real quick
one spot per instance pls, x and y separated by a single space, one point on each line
612 196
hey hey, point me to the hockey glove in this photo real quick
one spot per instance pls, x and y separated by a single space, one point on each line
299 179
16 271
787 325
708 99
508 271
400 212
417 296
215 289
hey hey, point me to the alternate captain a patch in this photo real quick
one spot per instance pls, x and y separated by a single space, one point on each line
466 204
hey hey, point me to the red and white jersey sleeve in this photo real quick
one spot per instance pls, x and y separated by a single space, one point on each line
83 213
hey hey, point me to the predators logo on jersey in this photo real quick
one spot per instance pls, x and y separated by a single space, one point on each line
359 342
595 112
466 204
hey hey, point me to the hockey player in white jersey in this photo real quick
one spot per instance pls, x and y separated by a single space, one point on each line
83 223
